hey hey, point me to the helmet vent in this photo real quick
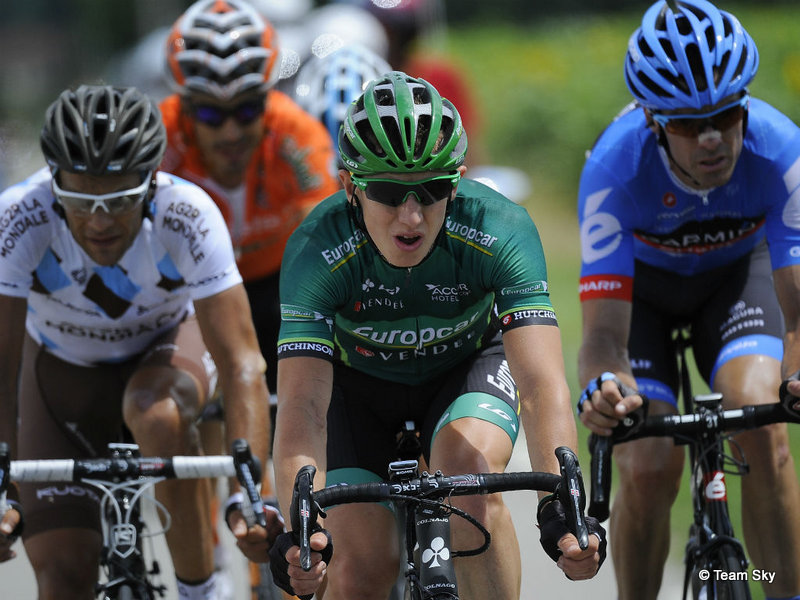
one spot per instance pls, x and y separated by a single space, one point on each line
392 129
366 134
446 131
740 67
423 131
653 86
645 49
668 49
697 69
684 25
384 97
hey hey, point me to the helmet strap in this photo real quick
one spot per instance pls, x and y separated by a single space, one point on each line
662 141
148 209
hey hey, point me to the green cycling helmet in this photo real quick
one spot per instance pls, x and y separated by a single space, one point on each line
401 124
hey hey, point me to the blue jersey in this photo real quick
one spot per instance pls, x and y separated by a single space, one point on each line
632 208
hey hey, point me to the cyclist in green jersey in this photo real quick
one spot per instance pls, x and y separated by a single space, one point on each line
394 295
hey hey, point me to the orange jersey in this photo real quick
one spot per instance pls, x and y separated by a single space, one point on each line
291 171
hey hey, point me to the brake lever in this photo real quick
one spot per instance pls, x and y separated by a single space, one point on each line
5 476
600 447
248 472
631 423
571 494
790 402
304 513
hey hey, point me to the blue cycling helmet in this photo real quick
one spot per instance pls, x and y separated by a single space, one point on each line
691 58
326 86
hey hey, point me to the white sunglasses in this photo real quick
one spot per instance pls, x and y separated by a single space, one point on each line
115 203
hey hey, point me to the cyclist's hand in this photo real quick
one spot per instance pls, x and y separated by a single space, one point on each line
285 563
580 564
606 401
10 529
562 546
790 393
255 541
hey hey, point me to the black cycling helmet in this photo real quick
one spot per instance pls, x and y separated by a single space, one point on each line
103 130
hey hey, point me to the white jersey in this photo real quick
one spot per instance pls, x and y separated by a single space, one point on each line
86 313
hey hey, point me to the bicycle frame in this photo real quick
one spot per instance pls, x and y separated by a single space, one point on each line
712 544
712 527
123 557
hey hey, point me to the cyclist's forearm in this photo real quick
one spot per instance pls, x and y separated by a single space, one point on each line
535 359
304 393
604 347
299 441
247 416
548 423
12 333
598 356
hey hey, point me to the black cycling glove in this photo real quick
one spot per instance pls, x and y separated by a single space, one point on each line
553 526
279 566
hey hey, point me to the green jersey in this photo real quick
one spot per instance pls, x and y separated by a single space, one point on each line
340 300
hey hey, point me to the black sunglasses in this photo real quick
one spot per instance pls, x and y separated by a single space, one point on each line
393 192
214 116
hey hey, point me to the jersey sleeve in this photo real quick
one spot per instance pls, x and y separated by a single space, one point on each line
310 293
520 280
27 220
783 191
606 238
196 237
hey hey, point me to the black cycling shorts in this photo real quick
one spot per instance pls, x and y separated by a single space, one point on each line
730 311
72 411
366 413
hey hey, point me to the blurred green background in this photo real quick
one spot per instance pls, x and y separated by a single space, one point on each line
547 78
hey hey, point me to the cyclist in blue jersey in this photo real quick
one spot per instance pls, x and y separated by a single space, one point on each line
394 295
689 217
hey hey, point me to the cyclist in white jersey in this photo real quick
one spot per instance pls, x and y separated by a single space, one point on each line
122 305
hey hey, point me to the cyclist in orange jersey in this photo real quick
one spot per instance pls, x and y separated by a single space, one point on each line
264 161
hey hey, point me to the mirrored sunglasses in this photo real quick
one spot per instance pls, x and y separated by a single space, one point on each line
393 192
114 203
693 125
214 116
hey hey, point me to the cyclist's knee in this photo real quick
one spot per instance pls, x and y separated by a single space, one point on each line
352 574
71 573
161 417
765 449
650 472
489 509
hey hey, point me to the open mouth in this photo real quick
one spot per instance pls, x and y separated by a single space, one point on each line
408 240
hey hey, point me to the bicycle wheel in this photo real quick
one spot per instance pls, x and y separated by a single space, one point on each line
726 559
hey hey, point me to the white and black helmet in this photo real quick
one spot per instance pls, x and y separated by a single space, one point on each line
222 48
103 130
